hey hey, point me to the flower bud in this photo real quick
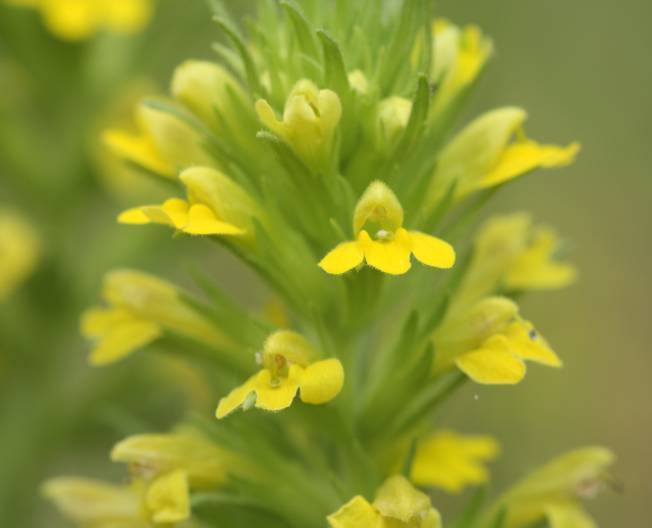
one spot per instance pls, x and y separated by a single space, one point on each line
309 122
208 90
378 209
392 119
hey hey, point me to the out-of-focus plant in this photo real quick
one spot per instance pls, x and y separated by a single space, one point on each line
323 160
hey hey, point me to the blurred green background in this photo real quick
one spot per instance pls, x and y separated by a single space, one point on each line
582 70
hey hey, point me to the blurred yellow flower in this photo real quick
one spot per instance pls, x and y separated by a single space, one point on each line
510 253
141 307
379 212
19 252
398 504
216 205
309 122
452 461
288 367
161 144
492 150
553 492
76 20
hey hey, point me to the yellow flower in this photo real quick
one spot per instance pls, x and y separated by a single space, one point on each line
553 491
490 343
203 462
167 498
288 367
451 461
163 144
389 246
80 19
140 308
309 123
96 504
511 253
483 155
216 205
19 252
458 58
397 505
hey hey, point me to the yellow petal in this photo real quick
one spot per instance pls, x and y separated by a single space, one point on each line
202 221
357 513
536 267
237 396
530 344
173 212
322 381
494 363
432 251
96 322
392 257
167 498
123 339
343 258
138 149
277 395
398 499
133 216
71 19
525 156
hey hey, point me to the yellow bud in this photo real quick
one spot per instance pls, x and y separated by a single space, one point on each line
392 119
207 89
290 345
204 463
398 499
458 57
230 202
310 120
377 209
358 82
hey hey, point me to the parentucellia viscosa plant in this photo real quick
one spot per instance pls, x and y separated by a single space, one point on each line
320 153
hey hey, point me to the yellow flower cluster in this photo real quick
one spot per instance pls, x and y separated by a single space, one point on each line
321 159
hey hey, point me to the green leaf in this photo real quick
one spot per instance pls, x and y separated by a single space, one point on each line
305 34
248 61
335 76
418 117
